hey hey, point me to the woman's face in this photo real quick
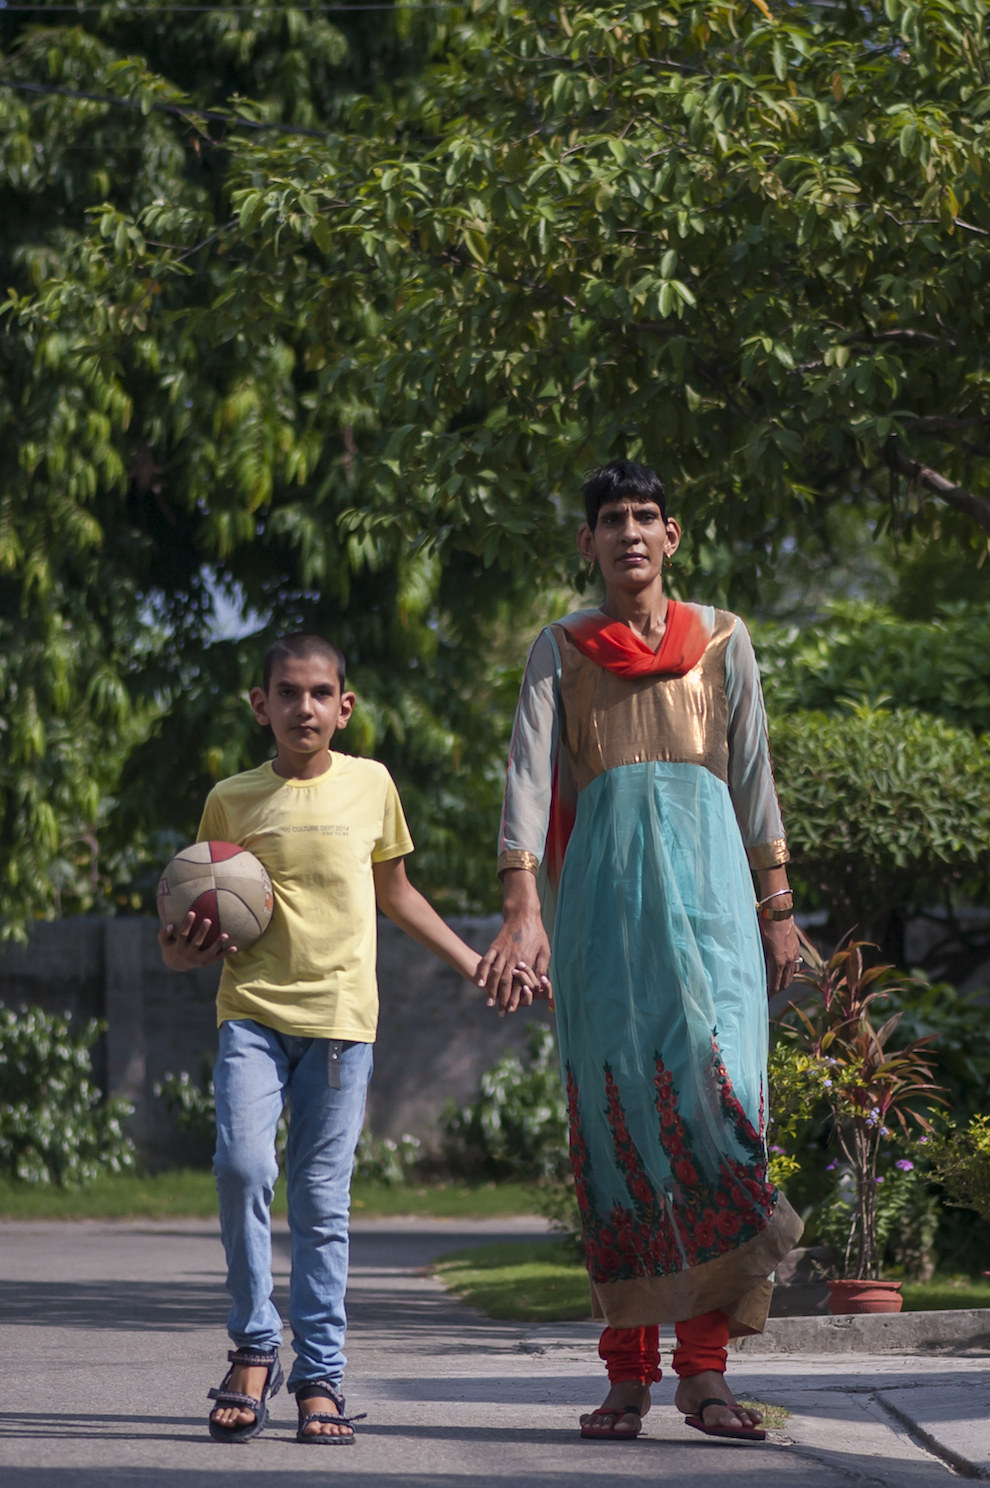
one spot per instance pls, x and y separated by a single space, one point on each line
629 543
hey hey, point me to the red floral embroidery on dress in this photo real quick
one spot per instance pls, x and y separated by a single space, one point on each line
700 1216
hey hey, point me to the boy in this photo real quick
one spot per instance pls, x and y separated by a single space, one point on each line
297 1014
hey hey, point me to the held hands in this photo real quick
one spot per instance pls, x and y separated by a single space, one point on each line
183 949
525 989
513 971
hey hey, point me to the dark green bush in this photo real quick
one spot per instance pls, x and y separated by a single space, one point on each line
864 653
887 813
517 1127
960 1159
55 1125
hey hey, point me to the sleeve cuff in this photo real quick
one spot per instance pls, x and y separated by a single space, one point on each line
768 854
516 857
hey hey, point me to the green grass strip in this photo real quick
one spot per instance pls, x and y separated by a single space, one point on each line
524 1281
945 1293
534 1281
540 1281
188 1193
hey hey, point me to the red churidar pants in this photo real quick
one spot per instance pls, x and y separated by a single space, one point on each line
634 1353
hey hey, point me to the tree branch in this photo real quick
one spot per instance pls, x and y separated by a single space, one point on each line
977 508
935 423
920 338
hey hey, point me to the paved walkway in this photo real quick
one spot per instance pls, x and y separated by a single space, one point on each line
120 1326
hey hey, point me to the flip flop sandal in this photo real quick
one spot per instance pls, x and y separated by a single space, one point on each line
226 1397
306 1391
735 1433
609 1433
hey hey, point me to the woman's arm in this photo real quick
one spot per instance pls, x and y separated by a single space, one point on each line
781 948
523 831
754 800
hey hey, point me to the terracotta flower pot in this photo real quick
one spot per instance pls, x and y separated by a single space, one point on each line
864 1296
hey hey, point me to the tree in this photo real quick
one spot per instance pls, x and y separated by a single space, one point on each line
150 463
347 348
748 246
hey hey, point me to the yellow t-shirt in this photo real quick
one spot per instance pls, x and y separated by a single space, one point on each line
312 973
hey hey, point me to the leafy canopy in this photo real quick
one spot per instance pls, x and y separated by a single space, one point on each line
334 320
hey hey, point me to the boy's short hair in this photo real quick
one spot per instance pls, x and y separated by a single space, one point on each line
621 480
303 644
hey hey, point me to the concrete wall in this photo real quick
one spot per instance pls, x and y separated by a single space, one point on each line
436 1037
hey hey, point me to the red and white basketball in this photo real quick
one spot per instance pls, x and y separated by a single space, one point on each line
222 883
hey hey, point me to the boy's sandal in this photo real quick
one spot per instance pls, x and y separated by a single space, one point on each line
229 1399
306 1391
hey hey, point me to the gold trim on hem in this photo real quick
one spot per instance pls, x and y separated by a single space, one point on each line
768 854
738 1283
517 857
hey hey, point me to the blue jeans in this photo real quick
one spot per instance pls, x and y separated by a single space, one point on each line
257 1072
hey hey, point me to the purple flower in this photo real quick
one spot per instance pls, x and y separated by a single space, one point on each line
905 1164
831 1167
879 1181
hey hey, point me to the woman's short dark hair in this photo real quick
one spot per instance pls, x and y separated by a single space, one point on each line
621 480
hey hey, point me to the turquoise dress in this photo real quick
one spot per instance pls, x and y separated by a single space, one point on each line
644 803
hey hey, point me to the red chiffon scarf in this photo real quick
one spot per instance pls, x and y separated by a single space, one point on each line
614 646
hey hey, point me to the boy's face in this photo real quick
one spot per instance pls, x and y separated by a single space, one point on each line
304 706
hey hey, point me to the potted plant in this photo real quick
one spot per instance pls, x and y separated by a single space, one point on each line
873 1093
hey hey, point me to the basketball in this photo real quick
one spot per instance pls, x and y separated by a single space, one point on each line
222 883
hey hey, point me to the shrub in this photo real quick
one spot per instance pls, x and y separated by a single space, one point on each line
857 651
384 1160
960 1161
961 1029
887 813
517 1127
55 1125
194 1107
191 1102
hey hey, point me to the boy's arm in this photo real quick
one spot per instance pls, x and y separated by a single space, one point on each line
415 915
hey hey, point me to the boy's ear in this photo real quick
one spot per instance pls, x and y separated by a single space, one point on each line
586 543
347 701
259 705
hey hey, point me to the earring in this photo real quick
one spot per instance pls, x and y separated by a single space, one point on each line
591 568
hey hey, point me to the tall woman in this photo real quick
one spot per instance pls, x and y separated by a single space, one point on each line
639 803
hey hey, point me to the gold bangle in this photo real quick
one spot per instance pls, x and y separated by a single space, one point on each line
775 914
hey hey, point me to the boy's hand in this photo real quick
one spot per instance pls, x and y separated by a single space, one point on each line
183 949
527 987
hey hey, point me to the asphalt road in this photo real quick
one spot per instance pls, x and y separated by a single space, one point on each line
111 1335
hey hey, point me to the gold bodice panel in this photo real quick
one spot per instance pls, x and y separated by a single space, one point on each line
610 720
